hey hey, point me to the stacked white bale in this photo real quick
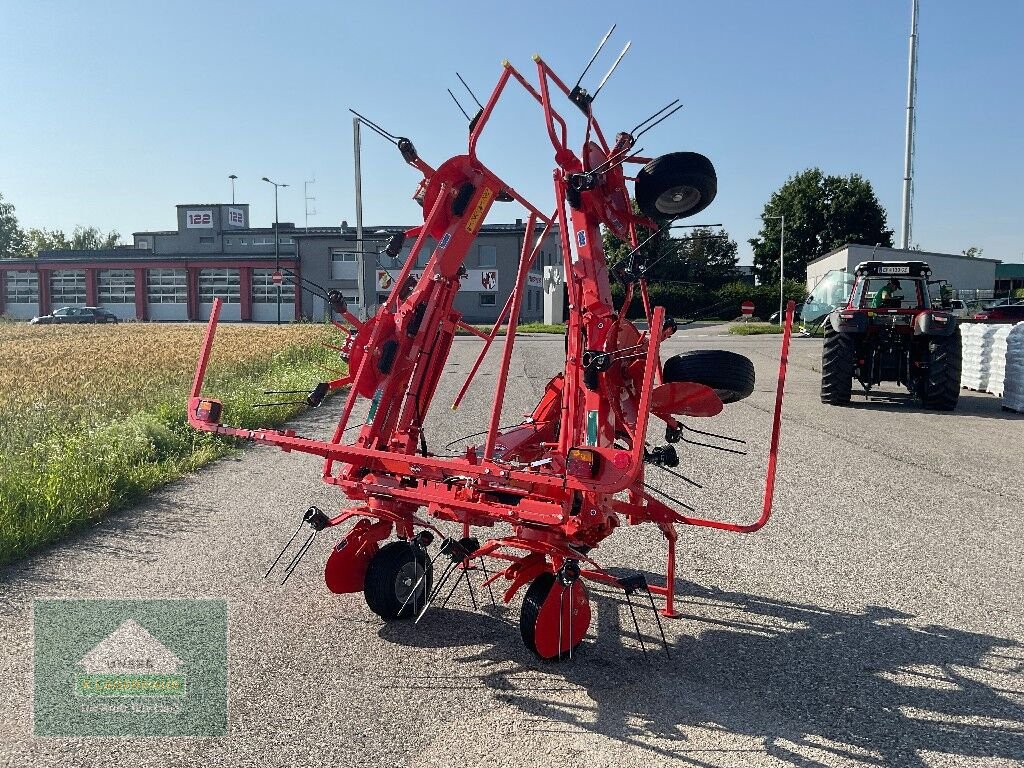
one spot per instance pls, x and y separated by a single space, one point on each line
976 341
997 361
1013 392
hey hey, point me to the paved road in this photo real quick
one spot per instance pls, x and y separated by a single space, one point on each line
877 620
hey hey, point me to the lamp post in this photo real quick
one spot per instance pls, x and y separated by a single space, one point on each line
277 244
232 177
782 250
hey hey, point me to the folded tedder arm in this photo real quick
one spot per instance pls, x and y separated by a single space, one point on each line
555 477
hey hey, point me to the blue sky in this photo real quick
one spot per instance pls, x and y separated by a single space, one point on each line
117 111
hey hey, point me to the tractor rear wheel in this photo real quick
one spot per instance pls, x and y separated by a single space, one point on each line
941 390
554 617
837 361
397 571
729 374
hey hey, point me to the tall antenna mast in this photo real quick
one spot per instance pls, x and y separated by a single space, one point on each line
908 159
310 200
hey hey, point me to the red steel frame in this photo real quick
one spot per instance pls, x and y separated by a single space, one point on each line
521 476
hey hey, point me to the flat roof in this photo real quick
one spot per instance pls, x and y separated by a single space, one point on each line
886 254
1009 271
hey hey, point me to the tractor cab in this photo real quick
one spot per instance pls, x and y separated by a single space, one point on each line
891 286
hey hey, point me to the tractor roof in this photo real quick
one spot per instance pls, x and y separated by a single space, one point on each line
907 268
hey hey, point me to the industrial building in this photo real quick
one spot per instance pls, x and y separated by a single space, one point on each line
215 253
970 277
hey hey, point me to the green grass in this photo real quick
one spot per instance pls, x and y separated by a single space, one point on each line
61 470
754 329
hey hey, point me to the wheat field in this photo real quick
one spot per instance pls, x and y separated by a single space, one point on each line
93 416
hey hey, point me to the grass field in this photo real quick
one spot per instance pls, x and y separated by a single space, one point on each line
93 417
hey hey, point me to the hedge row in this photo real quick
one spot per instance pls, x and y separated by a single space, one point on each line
691 302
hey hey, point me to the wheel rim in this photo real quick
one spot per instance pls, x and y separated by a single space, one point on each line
677 200
406 579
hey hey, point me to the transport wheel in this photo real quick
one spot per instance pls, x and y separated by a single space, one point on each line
837 361
675 186
393 574
942 386
544 632
729 374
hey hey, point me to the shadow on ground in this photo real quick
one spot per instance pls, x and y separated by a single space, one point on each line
870 686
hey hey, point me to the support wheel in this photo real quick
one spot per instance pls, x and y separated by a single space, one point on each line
675 186
729 374
544 632
393 574
941 390
837 361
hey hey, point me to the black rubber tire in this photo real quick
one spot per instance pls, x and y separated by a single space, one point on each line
536 594
942 386
837 362
675 186
729 374
396 564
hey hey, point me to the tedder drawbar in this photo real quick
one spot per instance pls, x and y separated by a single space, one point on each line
573 471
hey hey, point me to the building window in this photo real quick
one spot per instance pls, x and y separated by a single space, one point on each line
287 241
264 291
206 240
487 299
487 255
21 287
228 241
243 241
67 286
144 244
117 286
344 265
223 284
166 286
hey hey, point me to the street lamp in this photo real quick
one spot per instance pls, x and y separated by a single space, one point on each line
277 244
782 248
232 177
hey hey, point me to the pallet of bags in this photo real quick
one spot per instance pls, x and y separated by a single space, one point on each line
977 355
1013 390
997 360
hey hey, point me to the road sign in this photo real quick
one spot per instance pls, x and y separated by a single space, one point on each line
747 308
277 280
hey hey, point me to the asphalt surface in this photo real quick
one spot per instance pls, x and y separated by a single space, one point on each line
876 620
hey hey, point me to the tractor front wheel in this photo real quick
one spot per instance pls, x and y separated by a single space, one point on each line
837 362
398 581
941 390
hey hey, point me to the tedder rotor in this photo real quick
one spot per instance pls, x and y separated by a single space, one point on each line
568 476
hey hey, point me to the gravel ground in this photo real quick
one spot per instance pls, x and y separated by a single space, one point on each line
877 619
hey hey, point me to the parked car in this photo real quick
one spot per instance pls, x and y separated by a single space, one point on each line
797 312
1003 313
76 315
1009 301
959 308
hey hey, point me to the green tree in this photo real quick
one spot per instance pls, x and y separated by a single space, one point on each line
12 239
705 257
82 239
822 213
92 239
973 252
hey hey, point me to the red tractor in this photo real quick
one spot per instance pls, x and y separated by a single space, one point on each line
889 330
573 471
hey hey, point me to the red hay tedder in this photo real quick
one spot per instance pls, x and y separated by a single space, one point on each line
573 471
